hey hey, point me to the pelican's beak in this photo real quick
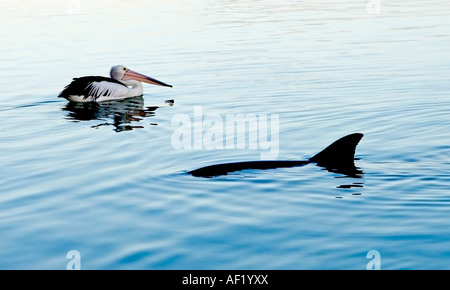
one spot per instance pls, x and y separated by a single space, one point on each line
132 75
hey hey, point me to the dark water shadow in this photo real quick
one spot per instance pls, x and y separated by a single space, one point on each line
346 172
123 115
350 178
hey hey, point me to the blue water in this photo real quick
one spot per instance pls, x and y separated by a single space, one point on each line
108 182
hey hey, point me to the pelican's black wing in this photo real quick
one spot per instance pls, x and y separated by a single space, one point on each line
93 86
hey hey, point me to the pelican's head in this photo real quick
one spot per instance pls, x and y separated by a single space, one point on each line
121 73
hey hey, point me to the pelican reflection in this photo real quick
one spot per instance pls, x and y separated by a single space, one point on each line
122 114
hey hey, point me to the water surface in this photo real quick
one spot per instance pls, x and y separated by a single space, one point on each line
107 181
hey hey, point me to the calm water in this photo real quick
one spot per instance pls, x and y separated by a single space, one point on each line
108 181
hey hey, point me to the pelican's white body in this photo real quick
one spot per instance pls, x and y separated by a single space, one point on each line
116 91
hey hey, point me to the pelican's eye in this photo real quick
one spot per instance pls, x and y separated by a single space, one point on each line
124 69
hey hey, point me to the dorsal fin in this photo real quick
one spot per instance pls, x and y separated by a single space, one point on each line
340 154
338 157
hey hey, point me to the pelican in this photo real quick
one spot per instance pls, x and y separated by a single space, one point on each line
123 83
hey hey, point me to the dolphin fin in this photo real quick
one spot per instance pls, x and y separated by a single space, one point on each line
340 155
